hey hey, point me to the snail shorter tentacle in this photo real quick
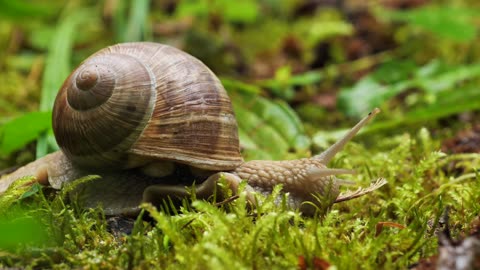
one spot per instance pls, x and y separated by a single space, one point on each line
328 154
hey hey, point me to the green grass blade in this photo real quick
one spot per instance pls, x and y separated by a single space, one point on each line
269 129
57 68
136 24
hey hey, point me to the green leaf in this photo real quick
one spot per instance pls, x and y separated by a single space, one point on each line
395 70
325 25
453 23
322 30
27 9
245 11
306 78
292 129
447 103
447 80
267 142
20 229
240 86
283 83
18 132
192 8
269 130
34 189
369 93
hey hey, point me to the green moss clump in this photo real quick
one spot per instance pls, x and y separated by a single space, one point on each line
203 235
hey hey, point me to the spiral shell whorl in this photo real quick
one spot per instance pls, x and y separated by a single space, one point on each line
87 78
102 108
92 85
138 102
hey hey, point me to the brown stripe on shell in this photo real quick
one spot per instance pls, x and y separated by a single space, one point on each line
193 120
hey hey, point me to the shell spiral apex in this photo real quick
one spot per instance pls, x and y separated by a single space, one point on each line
91 86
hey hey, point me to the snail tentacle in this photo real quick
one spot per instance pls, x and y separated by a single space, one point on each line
328 154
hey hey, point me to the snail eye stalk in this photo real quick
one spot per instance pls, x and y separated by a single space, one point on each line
328 154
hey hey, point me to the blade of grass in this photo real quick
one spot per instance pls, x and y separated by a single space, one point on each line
119 19
57 67
136 25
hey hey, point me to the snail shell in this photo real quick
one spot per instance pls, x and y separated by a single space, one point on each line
132 103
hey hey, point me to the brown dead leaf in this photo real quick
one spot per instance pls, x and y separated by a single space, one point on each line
317 263
381 224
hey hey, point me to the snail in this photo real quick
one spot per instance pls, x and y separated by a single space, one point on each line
148 118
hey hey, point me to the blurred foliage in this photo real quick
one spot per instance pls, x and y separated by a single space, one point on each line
16 133
455 23
299 73
269 129
394 78
237 12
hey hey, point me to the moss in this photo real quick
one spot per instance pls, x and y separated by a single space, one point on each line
203 235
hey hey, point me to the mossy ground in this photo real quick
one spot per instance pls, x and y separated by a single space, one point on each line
202 235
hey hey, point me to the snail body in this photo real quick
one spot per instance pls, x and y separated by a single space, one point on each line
140 114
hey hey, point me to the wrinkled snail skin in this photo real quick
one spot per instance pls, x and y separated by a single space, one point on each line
137 105
39 169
